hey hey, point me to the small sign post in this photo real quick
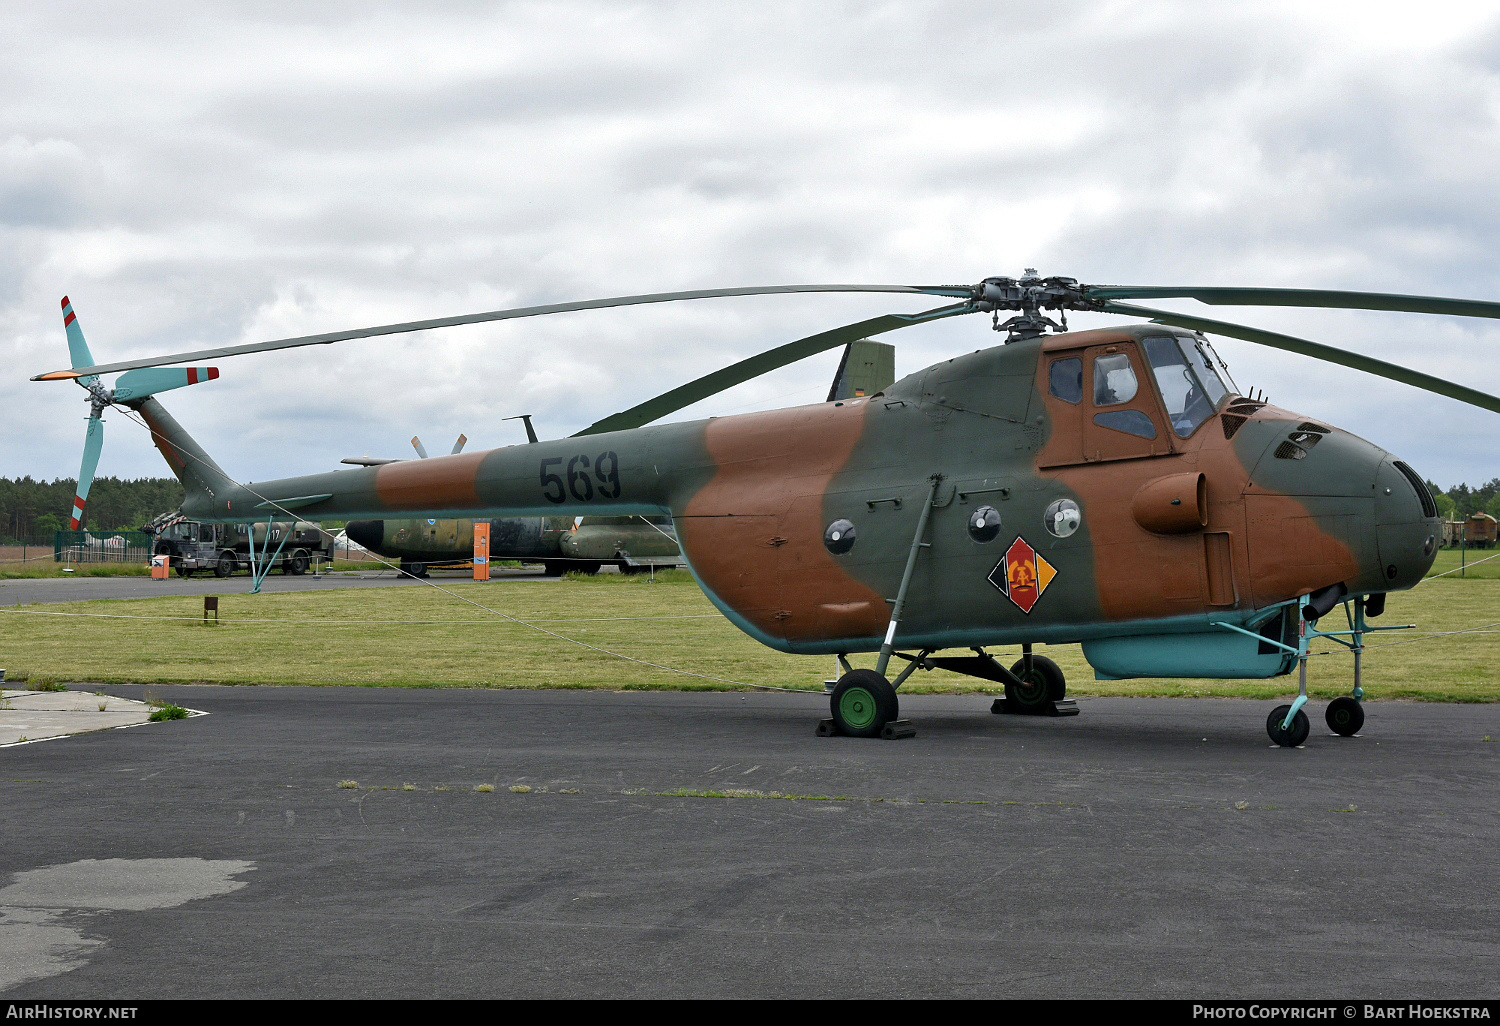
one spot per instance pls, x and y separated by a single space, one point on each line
481 552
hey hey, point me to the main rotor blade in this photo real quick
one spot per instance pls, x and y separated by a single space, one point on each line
1316 350
959 291
1323 298
771 359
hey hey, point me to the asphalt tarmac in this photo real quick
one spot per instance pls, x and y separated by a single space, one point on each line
86 589
1145 848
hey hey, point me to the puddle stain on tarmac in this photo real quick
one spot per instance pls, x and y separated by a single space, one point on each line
41 910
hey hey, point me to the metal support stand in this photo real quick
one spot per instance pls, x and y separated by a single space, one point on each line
259 573
917 544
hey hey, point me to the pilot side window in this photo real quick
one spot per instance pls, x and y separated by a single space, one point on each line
1189 386
1065 379
1114 381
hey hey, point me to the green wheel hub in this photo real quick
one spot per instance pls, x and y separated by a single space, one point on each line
1033 688
858 707
863 702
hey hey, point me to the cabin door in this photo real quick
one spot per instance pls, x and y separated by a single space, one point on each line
1103 407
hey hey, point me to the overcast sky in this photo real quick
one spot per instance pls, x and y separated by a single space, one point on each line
210 174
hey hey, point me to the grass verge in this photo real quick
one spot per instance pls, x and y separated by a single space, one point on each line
424 638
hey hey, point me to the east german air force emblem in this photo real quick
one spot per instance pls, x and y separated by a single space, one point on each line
1023 574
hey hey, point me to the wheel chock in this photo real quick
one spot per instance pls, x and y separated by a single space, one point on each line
1063 707
895 730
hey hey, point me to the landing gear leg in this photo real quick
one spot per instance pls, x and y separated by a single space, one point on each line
864 702
1288 724
1345 715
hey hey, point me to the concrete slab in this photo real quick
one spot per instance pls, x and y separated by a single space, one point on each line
27 716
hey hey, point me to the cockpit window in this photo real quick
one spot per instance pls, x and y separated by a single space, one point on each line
1201 358
1190 387
1065 379
1114 381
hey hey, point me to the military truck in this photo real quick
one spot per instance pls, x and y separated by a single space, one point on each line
224 548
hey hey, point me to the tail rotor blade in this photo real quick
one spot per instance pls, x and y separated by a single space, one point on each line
138 384
78 349
458 446
416 443
92 443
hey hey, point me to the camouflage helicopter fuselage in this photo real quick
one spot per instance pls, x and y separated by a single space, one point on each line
1059 513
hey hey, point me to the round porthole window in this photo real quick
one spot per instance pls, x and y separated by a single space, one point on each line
1062 518
839 538
984 524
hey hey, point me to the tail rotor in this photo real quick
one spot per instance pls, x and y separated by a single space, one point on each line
132 387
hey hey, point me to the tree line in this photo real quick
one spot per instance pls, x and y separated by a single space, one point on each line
1460 501
30 511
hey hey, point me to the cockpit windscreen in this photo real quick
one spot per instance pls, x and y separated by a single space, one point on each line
1189 383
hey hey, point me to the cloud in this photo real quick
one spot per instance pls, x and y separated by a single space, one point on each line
198 177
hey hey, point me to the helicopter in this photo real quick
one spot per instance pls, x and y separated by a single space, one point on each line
1109 487
560 543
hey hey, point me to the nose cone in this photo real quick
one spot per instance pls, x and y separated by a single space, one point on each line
369 533
1356 516
1406 524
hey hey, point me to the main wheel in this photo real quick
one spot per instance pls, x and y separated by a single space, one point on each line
553 568
1345 716
1045 683
225 566
1292 736
863 703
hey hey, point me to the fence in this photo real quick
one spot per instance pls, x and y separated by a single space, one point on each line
103 547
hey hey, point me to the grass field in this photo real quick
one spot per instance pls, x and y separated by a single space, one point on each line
466 636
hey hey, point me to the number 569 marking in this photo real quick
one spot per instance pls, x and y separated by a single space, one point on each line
575 479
